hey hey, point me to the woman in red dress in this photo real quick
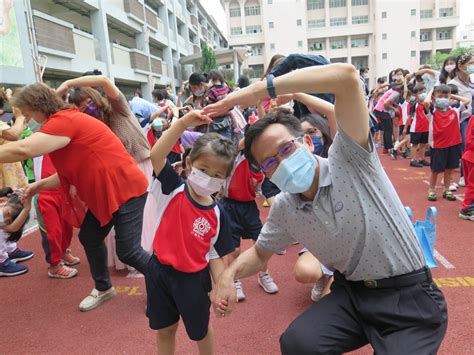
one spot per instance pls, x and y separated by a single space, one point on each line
88 156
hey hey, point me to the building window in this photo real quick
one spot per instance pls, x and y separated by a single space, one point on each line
384 36
359 2
315 4
256 50
413 34
316 23
235 31
316 45
446 12
359 42
269 2
413 53
272 45
337 3
300 44
413 12
384 14
443 34
252 10
384 55
271 24
357 20
253 29
235 12
338 21
426 13
425 36
298 22
338 43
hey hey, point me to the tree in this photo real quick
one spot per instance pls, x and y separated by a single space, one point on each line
208 61
437 60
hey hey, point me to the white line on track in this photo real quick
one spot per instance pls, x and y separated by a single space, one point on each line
443 260
30 230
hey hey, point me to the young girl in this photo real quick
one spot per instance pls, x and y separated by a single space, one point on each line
191 236
217 92
14 214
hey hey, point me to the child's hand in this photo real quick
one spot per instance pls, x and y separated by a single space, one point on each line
195 118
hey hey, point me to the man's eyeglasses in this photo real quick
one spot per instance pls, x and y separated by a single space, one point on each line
284 152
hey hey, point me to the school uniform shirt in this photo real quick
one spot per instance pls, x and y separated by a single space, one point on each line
243 182
405 107
187 234
420 123
444 127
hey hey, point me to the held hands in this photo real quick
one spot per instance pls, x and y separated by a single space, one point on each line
224 297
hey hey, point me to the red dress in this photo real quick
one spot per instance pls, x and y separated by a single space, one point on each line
95 162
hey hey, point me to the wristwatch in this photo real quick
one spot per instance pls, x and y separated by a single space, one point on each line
270 87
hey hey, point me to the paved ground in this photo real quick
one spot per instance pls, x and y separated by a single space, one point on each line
41 315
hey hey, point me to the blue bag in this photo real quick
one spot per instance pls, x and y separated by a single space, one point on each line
426 234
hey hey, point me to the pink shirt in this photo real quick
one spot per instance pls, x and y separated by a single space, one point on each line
381 102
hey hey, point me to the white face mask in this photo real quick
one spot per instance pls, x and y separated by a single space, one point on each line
203 184
199 92
2 218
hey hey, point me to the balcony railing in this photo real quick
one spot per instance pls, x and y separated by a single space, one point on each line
134 7
156 65
121 55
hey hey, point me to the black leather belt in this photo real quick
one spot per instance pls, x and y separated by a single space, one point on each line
412 278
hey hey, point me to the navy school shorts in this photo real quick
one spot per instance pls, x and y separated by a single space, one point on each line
172 294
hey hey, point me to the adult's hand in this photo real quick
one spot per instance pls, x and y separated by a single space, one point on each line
62 89
224 297
32 189
195 118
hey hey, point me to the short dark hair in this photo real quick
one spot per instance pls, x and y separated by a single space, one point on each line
381 80
418 88
243 82
218 145
454 89
216 75
197 78
158 94
291 123
442 89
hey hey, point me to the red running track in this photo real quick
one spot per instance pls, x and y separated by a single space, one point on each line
41 315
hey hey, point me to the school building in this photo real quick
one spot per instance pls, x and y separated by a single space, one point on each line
137 43
378 34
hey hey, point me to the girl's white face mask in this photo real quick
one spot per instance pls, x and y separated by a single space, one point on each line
203 184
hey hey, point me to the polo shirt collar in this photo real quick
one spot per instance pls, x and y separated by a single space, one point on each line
324 180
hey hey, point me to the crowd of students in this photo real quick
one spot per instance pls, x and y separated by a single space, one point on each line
428 113
95 153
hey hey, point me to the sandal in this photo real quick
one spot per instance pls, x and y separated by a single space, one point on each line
432 195
448 195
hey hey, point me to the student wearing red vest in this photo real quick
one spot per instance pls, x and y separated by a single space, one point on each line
444 137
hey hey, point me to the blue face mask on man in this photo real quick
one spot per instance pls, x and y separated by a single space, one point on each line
295 174
318 144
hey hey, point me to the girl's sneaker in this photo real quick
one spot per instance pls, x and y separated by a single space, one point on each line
462 182
448 195
69 259
467 215
432 195
20 255
453 187
61 272
8 268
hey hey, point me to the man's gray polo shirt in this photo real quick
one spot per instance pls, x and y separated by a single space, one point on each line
356 223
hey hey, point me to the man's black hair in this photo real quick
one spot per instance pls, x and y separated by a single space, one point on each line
292 124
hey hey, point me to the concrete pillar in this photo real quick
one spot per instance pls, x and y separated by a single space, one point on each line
242 15
326 12
101 34
236 66
167 54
